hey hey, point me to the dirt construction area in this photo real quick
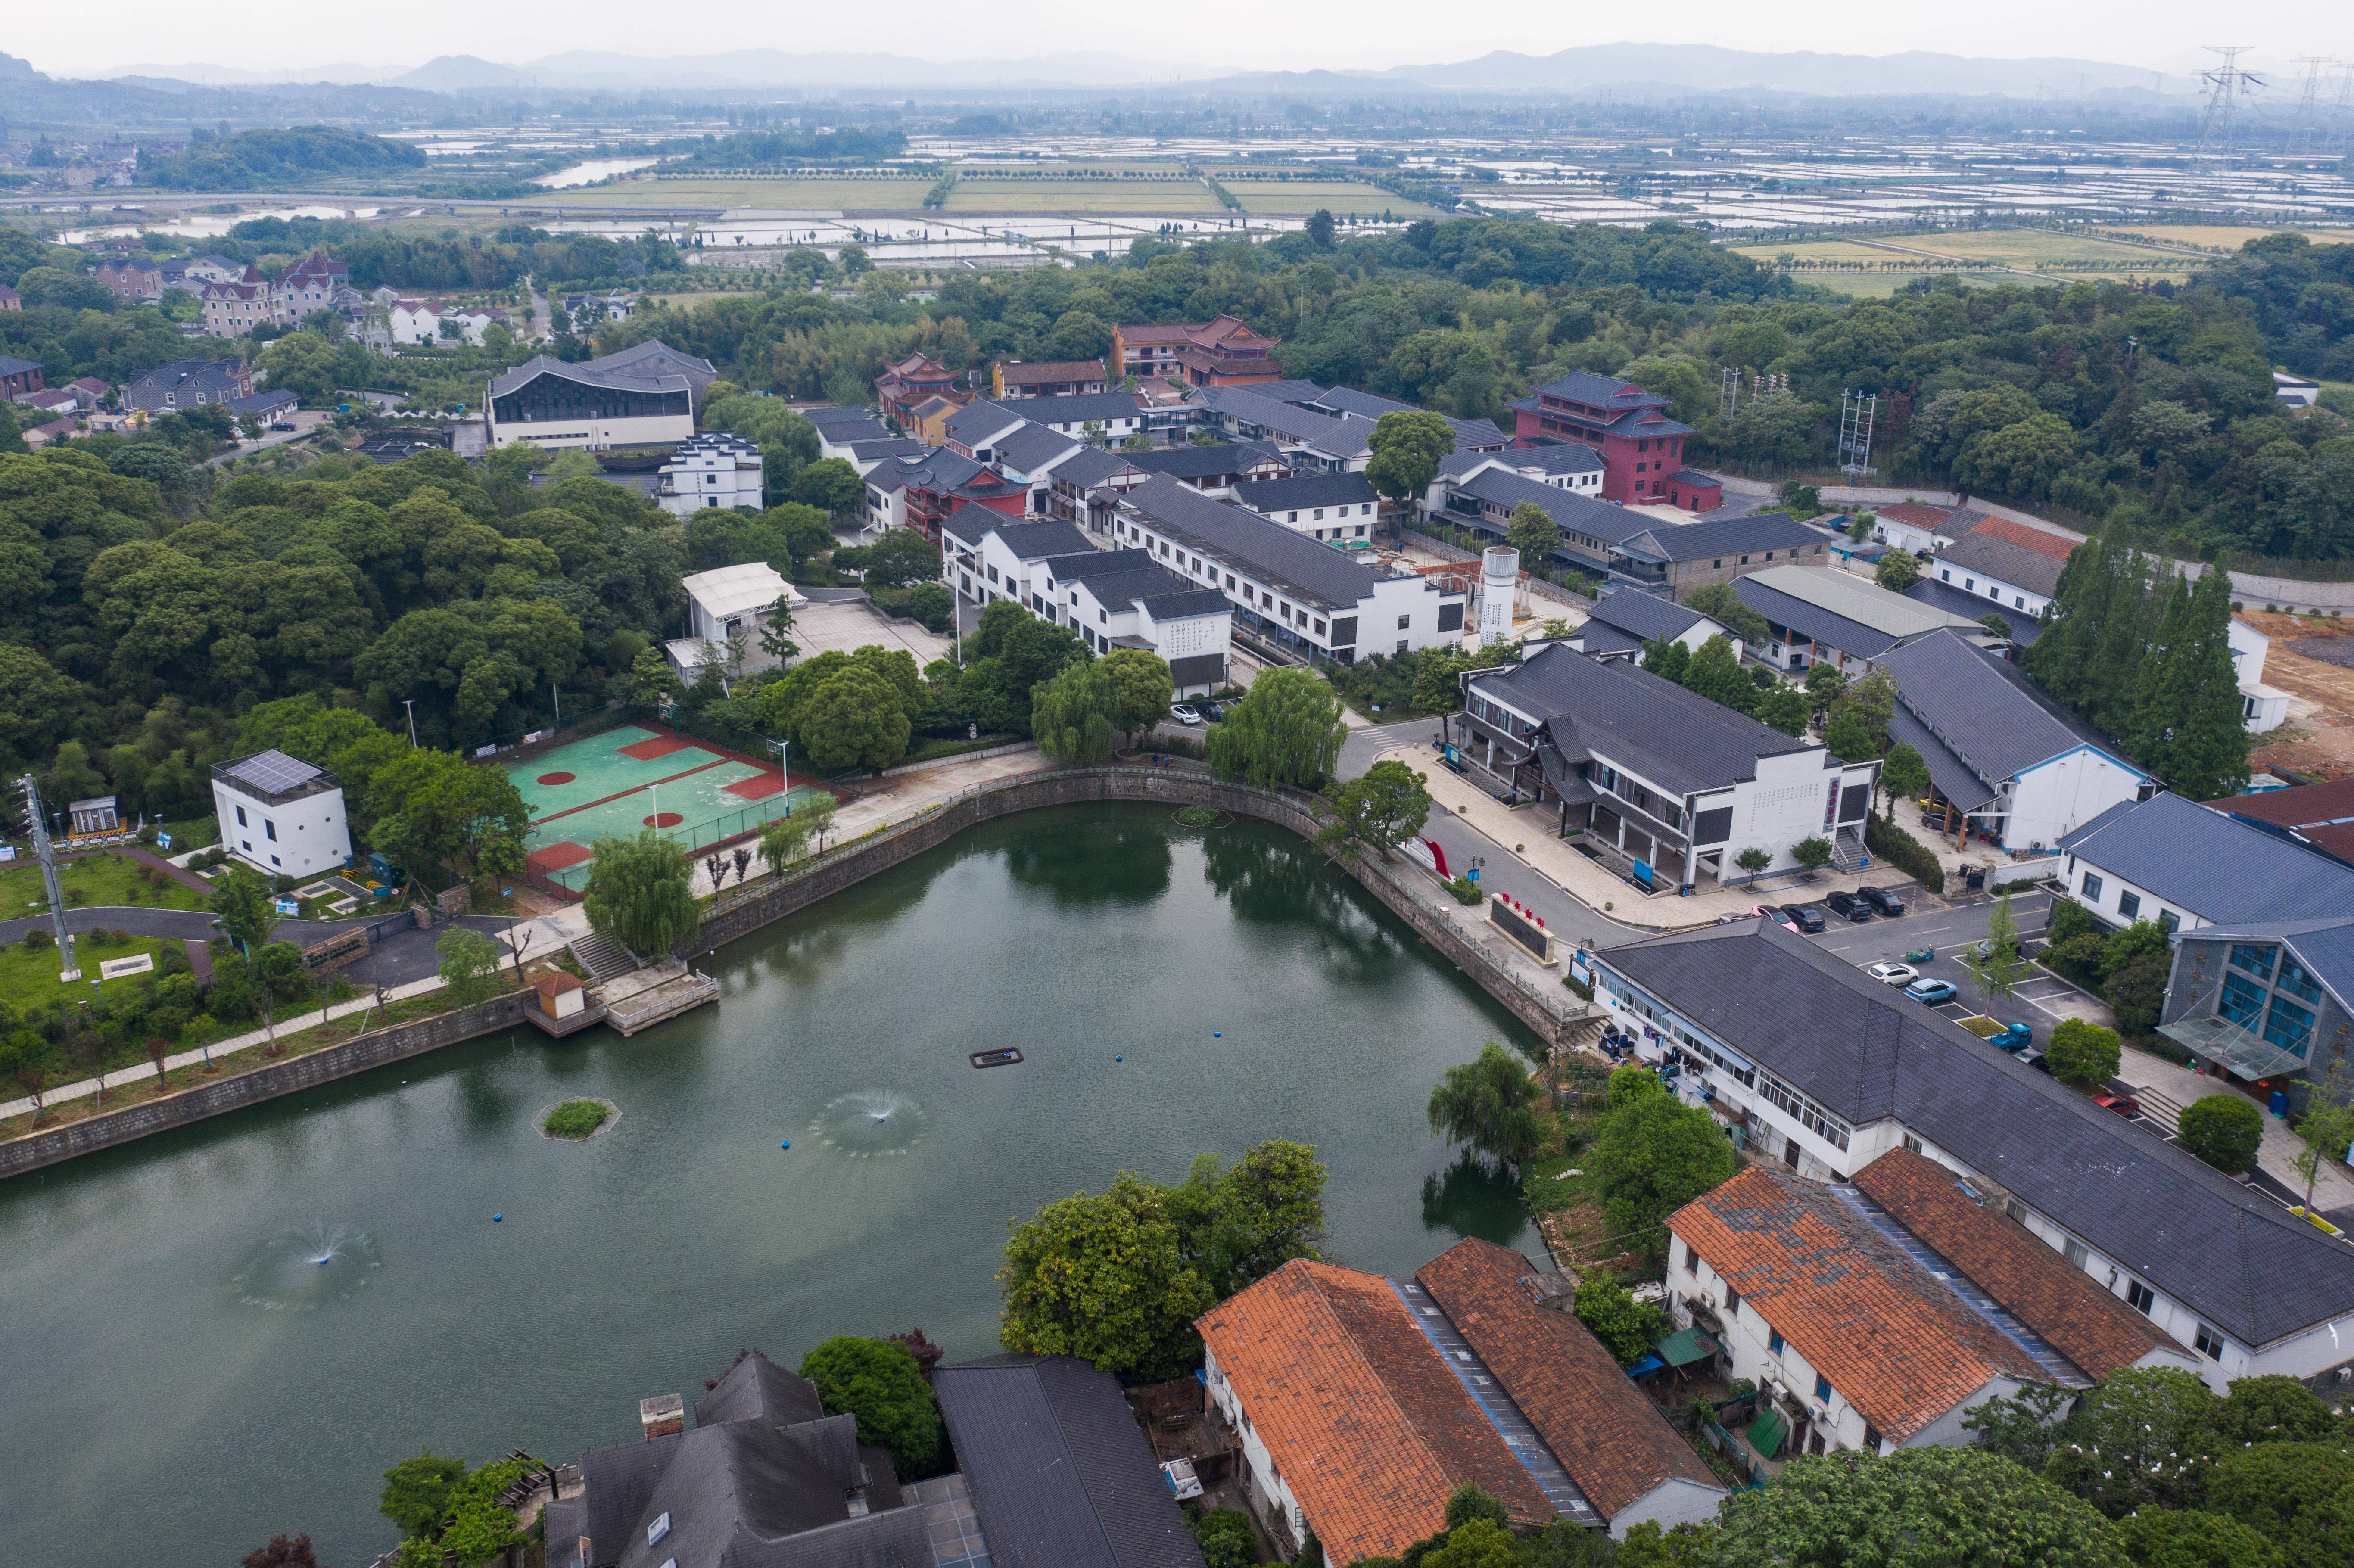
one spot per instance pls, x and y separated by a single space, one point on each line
2311 659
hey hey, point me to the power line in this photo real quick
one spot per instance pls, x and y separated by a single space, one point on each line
2227 84
2301 140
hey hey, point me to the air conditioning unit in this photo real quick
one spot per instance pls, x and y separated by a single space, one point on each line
2345 1374
1779 1389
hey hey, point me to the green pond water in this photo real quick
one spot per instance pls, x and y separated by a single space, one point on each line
181 1377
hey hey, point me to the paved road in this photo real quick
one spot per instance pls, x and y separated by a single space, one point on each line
396 960
305 421
2041 1000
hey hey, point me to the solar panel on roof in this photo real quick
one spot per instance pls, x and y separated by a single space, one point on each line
273 772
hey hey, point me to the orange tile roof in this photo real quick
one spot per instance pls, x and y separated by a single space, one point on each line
2084 1322
1605 1432
2058 546
1364 1423
1895 1342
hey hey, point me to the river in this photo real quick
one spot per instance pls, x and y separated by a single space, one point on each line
181 1378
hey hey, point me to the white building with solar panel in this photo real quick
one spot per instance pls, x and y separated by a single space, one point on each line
281 816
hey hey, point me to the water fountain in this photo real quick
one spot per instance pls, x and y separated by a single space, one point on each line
304 1268
868 1123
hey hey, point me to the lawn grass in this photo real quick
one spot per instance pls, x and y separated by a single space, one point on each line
318 1037
573 1119
28 976
102 879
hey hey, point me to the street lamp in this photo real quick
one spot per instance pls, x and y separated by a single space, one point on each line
410 704
784 770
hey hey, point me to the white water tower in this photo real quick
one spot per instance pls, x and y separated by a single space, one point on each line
1500 584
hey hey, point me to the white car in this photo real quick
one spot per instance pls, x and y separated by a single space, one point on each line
1184 712
1894 974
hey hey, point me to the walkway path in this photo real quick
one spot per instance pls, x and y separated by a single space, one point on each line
2155 1077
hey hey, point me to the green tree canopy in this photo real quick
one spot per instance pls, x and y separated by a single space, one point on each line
2085 1055
1074 714
878 1382
855 718
1102 1275
1721 603
2223 1129
1144 684
1924 1505
1490 1106
641 894
1383 808
1627 1327
1407 448
1531 531
1286 730
1654 1155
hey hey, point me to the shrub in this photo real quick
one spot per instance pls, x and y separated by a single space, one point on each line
1196 816
1223 1534
2224 1131
76 894
1466 891
878 1382
122 937
1627 1327
37 937
2079 958
1905 852
575 1119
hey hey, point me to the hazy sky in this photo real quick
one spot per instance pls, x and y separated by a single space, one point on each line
2167 33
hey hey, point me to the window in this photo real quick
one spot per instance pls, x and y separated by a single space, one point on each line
1405 622
2139 1297
1944 577
1871 1439
1401 645
269 830
1912 1143
2294 980
1732 1302
1822 1388
2129 904
2092 888
2209 1344
240 818
2289 1027
2076 1253
1775 1343
1691 1260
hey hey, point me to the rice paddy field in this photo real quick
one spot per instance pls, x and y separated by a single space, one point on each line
1885 263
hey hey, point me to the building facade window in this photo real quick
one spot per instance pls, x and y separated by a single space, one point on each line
1822 1388
2092 888
2129 904
1775 1343
2139 1297
2209 1344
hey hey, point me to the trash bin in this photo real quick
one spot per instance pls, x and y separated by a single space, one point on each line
2280 1104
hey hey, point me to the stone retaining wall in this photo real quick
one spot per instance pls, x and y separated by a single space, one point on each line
218 1095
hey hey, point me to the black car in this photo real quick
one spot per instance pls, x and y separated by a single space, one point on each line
1847 906
1809 918
1881 900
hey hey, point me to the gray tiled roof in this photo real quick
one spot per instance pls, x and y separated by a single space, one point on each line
1948 597
1980 552
1028 541
2213 866
1082 407
1568 457
1959 693
1193 601
1763 531
1033 447
1060 1473
1812 621
824 418
1269 496
1092 467
1267 551
886 447
1647 616
1577 513
1865 1052
649 366
1203 462
1349 401
1677 739
980 421
1303 393
1477 433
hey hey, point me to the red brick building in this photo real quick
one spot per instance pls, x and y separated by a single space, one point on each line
1642 449
915 380
1220 353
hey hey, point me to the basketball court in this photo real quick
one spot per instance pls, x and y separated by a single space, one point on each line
634 778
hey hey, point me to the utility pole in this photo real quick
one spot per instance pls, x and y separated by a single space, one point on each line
43 853
410 705
1728 391
784 770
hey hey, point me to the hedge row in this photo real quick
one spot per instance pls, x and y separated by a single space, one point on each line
1905 852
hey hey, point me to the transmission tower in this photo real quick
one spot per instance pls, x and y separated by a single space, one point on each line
2227 84
1856 409
2308 101
1728 392
2345 102
38 826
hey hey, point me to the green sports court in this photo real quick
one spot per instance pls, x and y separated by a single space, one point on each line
634 778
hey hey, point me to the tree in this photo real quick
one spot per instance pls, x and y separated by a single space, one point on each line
1996 970
2024 1428
1287 731
1627 1327
650 680
1896 571
1407 448
1144 684
2326 1127
1075 715
241 902
788 837
2298 1496
2135 993
469 966
878 1382
25 1056
855 718
1917 1506
1715 674
640 895
1478 1543
1670 661
1811 854
775 635
2144 1438
1384 807
2206 747
159 1051
2192 1538
1531 531
1904 774
830 486
1785 708
1848 740
1490 1106
1319 228
1754 861
1721 603
2274 1408
416 1495
2085 1055
1824 685
1240 1223
1656 1154
275 971
283 1552
1998 624
433 807
1101 1276
2223 1129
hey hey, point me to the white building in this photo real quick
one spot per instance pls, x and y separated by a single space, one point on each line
1288 591
730 602
716 469
2015 568
281 816
1576 468
1810 1061
642 396
1332 508
2010 761
415 321
1623 622
2185 865
2265 707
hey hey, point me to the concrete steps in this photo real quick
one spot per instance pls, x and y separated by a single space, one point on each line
604 960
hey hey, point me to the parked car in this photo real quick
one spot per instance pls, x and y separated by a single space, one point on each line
1184 712
2123 1105
1847 906
2036 1059
1214 711
1775 912
1807 917
284 425
1894 974
1881 900
1932 992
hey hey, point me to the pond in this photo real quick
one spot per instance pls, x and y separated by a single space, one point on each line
229 1331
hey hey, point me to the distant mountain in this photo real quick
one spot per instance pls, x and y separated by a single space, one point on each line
461 73
207 75
1705 68
14 69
